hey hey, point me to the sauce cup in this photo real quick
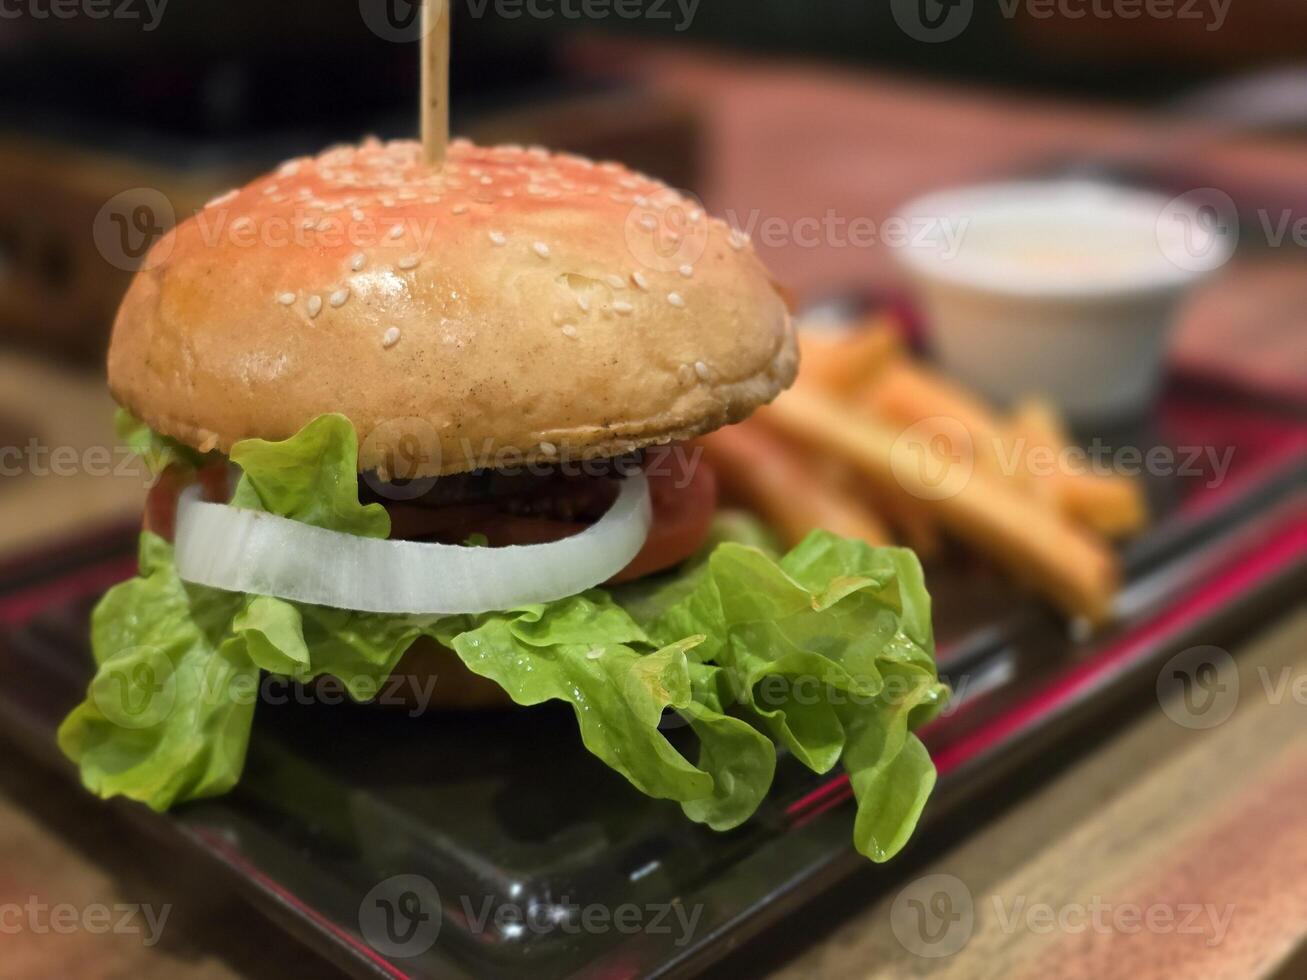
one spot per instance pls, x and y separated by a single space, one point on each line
1065 289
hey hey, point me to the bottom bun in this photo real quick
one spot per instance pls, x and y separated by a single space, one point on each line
432 676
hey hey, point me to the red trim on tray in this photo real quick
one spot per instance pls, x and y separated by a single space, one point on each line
17 608
801 817
817 796
1245 575
218 844
1277 460
1249 572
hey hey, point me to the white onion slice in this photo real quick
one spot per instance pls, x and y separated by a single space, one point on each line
249 551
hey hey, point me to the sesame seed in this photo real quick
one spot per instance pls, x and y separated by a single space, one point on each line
390 338
357 214
241 223
617 282
286 299
338 298
701 369
677 300
648 223
569 331
358 261
315 306
541 249
408 262
548 448
696 216
623 307
460 209
584 303
397 231
499 238
640 280
687 270
739 240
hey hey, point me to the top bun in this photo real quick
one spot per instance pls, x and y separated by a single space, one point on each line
511 306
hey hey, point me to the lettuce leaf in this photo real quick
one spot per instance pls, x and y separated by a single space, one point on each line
311 478
168 714
157 451
826 652
831 650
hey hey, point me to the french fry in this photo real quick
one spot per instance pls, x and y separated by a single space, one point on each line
907 394
1070 567
1111 505
916 526
841 363
769 477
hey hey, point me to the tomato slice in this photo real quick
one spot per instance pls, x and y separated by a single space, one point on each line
161 502
684 493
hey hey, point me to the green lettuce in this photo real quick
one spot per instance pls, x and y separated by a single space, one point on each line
157 451
826 652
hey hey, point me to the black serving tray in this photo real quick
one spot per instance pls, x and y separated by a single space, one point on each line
351 813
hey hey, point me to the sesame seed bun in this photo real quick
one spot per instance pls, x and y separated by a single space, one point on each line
514 306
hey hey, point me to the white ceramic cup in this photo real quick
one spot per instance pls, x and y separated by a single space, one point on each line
1060 288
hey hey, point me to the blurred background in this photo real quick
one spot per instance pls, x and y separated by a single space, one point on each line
774 108
799 120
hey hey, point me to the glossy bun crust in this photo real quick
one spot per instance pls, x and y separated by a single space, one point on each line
512 306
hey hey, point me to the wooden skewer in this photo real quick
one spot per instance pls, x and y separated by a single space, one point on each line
435 80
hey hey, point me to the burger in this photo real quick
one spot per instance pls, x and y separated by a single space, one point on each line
416 422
